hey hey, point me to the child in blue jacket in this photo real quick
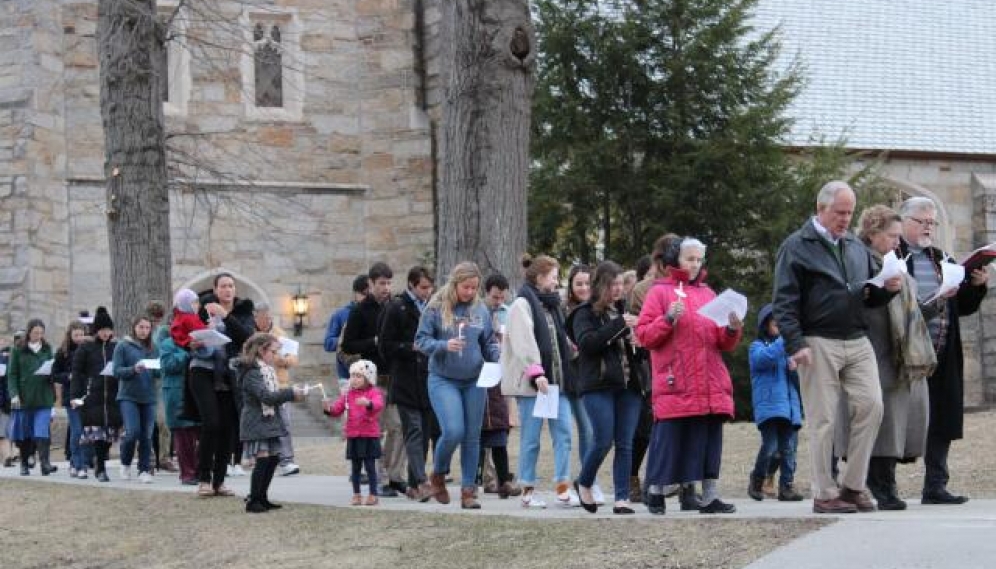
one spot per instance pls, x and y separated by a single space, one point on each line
777 407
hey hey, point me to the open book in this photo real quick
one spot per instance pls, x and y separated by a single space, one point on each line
980 258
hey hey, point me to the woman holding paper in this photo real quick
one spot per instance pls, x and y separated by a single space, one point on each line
137 396
692 392
905 355
455 333
536 357
579 292
31 396
609 382
62 371
94 391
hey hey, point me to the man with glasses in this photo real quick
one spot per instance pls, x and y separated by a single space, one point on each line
946 385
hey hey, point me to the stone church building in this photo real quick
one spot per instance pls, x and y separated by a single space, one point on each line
301 145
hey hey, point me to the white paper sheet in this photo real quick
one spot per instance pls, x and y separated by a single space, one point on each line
108 369
3 369
490 375
891 267
718 310
289 347
150 363
547 403
952 276
210 338
45 369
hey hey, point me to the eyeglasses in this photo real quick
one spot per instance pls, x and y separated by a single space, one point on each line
925 222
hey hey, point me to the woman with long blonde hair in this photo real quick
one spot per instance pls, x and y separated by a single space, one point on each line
455 333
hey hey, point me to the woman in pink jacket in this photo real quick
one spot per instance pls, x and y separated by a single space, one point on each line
692 393
362 404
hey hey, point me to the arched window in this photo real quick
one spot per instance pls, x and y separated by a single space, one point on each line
268 66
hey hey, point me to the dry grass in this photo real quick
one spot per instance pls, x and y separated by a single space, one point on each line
54 525
972 460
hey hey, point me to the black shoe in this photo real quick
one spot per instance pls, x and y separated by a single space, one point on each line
690 501
655 504
588 507
270 505
47 469
622 510
102 476
401 487
893 503
942 496
788 493
25 470
387 491
754 488
717 506
8 462
256 507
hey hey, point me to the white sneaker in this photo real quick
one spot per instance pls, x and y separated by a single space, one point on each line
597 495
569 499
145 478
531 500
289 469
81 474
237 470
125 472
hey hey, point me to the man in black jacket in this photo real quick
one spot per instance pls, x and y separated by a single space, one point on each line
361 337
946 384
410 375
820 292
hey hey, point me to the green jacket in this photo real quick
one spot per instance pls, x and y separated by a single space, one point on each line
34 390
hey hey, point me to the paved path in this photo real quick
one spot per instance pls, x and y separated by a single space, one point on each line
934 537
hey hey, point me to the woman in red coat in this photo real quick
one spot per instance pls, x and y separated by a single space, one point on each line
692 391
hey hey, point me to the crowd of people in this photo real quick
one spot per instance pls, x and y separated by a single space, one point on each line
624 361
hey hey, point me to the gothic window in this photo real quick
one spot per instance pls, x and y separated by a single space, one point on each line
268 66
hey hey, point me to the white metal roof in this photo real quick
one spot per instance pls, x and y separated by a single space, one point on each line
916 75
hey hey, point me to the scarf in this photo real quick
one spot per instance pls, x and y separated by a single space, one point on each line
35 346
539 304
270 380
911 343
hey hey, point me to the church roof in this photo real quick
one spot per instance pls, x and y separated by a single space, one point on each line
912 75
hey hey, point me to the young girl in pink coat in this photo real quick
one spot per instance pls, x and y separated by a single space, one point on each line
362 403
692 392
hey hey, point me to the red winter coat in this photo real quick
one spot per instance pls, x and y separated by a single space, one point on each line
361 420
689 376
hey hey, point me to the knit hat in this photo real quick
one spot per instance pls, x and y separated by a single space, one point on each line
184 300
102 320
367 368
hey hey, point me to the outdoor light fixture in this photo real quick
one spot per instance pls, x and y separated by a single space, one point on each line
300 304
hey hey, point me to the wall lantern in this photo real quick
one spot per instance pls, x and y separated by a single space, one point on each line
300 305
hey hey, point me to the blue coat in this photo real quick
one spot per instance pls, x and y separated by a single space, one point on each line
134 386
774 389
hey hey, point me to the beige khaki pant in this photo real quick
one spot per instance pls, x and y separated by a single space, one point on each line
840 366
394 460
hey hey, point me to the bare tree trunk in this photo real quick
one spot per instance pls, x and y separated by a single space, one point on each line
128 43
484 148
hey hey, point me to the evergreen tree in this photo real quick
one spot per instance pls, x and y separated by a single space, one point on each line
660 116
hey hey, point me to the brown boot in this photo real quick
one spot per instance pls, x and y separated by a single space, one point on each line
422 493
468 498
509 489
437 484
769 487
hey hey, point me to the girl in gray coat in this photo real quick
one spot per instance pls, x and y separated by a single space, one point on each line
261 425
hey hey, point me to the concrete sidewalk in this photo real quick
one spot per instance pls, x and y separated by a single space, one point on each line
938 537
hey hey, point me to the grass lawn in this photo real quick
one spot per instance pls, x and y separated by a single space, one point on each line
53 525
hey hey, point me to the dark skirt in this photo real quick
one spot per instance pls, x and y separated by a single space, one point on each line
688 449
493 439
362 447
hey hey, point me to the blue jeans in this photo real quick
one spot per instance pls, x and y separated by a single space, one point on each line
529 441
777 435
139 419
79 455
583 422
614 416
459 408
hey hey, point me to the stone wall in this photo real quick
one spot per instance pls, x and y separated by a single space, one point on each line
286 201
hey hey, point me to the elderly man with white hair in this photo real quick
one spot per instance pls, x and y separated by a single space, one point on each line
946 384
820 293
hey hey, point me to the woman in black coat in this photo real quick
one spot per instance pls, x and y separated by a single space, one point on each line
608 380
95 394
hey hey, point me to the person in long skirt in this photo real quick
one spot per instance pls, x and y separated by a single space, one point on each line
692 391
